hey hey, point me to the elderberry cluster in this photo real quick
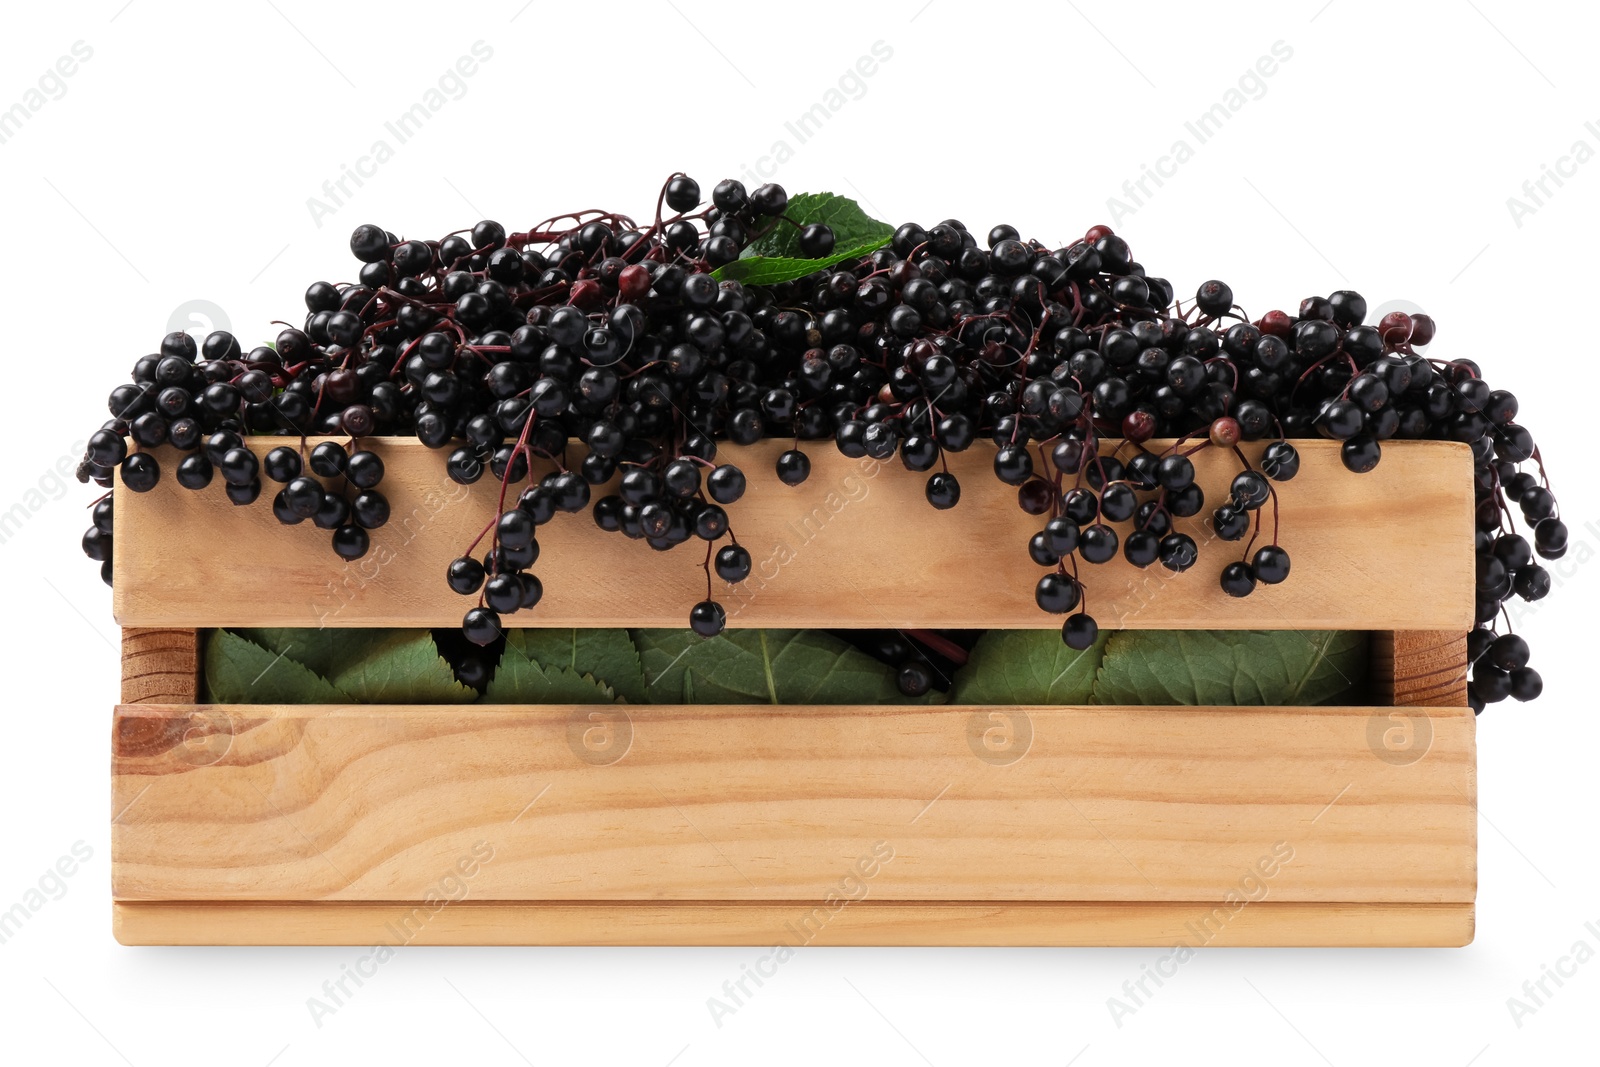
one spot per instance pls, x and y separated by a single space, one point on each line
609 350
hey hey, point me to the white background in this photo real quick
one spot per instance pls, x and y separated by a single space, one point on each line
175 166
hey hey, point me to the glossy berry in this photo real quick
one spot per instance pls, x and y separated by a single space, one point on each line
794 467
1178 552
1061 536
1360 453
281 464
1238 579
481 626
1079 631
732 563
328 460
1175 472
364 469
239 466
465 576
503 593
1098 543
370 509
1526 684
1250 490
914 679
1057 593
725 484
303 496
1550 538
194 471
140 472
683 194
1508 652
816 240
707 618
350 542
1271 564
1230 522
1280 461
1013 464
1141 548
240 495
1532 582
943 491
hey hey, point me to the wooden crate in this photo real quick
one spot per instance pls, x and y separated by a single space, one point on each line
956 825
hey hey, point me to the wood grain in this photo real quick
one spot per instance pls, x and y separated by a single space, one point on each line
856 545
1420 668
739 804
791 923
160 666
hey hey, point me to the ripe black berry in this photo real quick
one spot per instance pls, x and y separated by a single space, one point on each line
194 471
1238 579
794 467
726 484
1079 631
707 618
1057 594
943 491
141 472
350 542
1280 461
1271 564
481 626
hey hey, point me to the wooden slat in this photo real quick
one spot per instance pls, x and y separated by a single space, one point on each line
1420 668
856 545
160 666
750 804
796 924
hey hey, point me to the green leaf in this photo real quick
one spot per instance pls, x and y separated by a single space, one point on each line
765 667
1028 667
239 671
851 226
608 655
1230 667
762 270
395 667
775 256
316 647
520 680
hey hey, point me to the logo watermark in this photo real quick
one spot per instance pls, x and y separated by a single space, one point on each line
1000 738
1537 192
600 736
1251 85
198 318
1399 737
49 887
850 85
852 888
1537 992
48 87
451 85
451 888
1251 888
50 486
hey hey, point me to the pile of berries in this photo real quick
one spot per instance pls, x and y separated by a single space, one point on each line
609 348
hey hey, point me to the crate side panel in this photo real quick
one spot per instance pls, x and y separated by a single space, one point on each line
742 804
855 545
